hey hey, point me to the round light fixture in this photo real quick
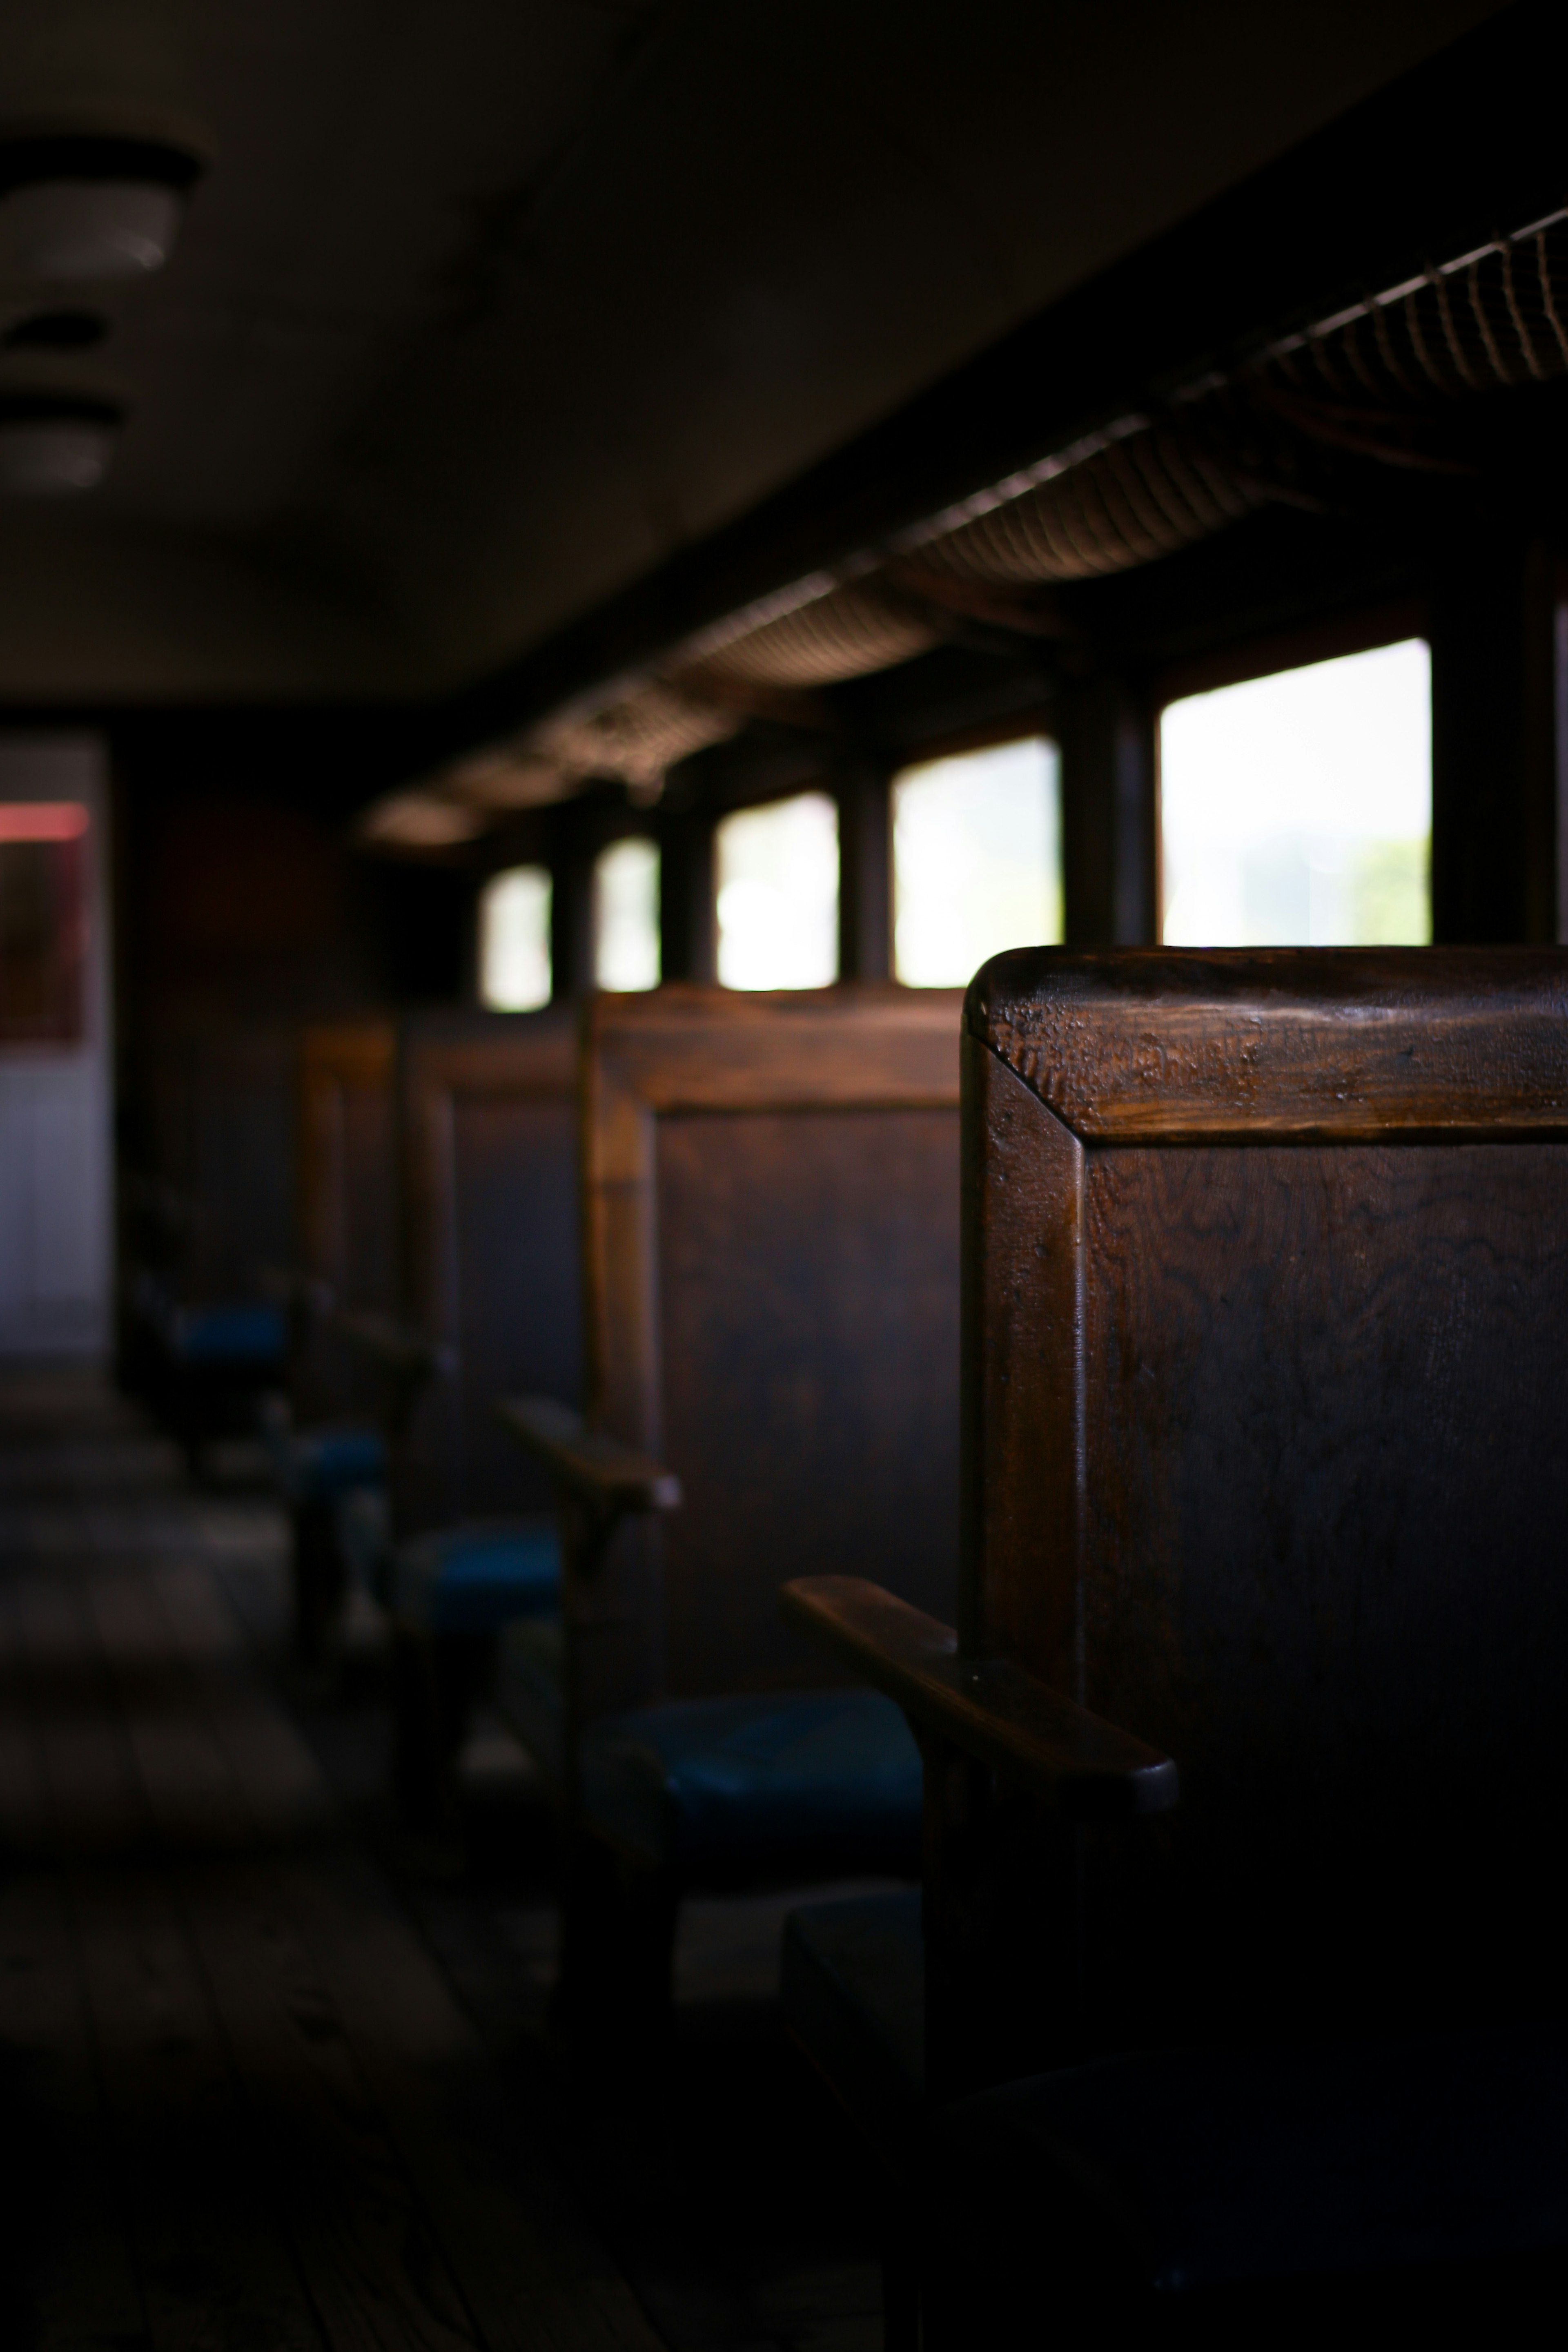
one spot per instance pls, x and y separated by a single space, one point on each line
81 210
53 444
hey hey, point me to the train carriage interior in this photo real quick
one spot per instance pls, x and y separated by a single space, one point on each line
783 1103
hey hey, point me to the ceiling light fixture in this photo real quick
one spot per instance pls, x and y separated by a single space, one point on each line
83 210
52 444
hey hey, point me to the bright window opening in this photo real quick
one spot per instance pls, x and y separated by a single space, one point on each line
1297 810
514 941
777 874
626 916
977 860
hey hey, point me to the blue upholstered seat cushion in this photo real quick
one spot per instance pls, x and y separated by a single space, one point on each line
854 1986
474 1578
314 1465
828 1778
226 1335
1191 2170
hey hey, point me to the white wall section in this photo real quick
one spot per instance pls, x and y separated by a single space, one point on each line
56 1192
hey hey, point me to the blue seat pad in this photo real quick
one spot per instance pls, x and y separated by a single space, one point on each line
854 1986
475 1578
1212 2168
314 1465
829 1777
229 1335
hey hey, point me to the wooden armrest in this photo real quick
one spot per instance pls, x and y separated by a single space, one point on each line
407 1353
292 1287
991 1709
599 1469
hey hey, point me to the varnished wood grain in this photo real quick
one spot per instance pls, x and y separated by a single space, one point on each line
989 1708
1023 1174
347 1191
399 1348
488 1143
610 1477
808 1292
1155 1045
1266 1334
347 1222
770 1228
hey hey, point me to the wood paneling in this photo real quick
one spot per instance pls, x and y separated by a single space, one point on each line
221 1110
808 1369
1264 1359
347 1163
771 1224
348 1201
488 1143
1236 1044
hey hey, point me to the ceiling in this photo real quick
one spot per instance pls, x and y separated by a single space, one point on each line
485 307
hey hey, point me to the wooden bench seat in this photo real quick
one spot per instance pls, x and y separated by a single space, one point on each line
471 1580
198 1336
347 1260
1266 1325
328 1441
201 1363
770 1235
710 1789
487 1113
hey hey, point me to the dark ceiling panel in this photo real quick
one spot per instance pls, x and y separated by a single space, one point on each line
486 310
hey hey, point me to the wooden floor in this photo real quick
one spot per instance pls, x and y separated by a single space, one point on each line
259 2095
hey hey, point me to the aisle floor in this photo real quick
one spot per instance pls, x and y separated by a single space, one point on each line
259 2094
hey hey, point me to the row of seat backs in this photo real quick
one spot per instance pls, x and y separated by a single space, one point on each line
1266 1352
346 1211
210 1196
771 1278
727 1223
437 1186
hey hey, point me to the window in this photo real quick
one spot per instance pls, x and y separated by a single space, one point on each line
514 941
977 860
43 920
626 916
1297 810
777 874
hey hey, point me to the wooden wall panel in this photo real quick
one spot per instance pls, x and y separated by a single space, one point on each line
348 1174
1310 1495
808 1276
219 1121
348 1186
489 1150
771 1233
